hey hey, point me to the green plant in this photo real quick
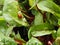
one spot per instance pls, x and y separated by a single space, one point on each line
29 22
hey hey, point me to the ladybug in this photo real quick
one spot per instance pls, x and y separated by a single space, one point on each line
20 16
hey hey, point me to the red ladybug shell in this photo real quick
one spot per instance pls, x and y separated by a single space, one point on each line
19 15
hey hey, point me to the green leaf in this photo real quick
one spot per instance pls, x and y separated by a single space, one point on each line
54 34
34 41
41 33
57 41
5 40
8 41
3 25
10 9
9 30
18 37
51 7
33 3
52 19
8 19
58 21
38 17
2 2
41 27
7 14
0 13
58 33
4 28
2 21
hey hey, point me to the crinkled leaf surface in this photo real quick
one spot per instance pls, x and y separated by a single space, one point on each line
57 41
5 31
7 41
10 10
34 41
52 19
2 2
59 21
41 33
33 3
58 33
40 27
51 7
38 17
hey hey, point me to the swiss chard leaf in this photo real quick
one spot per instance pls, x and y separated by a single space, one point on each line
34 41
41 33
40 27
11 10
58 33
52 19
38 17
57 41
59 21
8 41
51 7
2 2
33 3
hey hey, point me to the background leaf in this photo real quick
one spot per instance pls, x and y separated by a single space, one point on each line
38 17
41 27
11 9
51 7
34 41
58 33
41 33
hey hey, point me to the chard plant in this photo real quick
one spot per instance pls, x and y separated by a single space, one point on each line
29 22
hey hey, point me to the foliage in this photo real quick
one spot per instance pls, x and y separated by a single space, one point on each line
30 20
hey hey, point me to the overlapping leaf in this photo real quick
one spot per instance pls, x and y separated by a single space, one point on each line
49 6
10 12
42 27
38 17
58 33
34 41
